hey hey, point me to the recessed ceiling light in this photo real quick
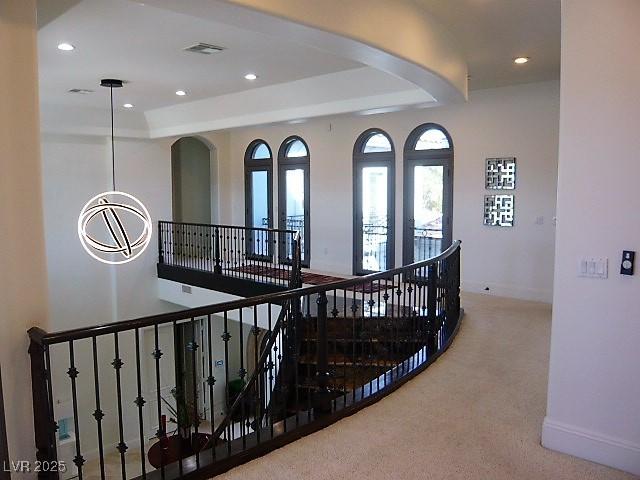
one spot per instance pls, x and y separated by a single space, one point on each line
181 93
66 47
520 60
128 105
250 76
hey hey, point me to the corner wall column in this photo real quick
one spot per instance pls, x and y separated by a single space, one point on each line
23 296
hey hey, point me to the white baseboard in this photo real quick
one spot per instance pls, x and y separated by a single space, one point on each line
591 446
509 291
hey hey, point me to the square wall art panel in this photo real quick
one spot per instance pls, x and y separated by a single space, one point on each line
500 173
499 210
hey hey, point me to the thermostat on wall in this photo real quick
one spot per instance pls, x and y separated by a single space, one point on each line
626 267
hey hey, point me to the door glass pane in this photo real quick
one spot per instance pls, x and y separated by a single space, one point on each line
377 143
428 189
432 139
259 210
261 152
296 149
295 204
375 228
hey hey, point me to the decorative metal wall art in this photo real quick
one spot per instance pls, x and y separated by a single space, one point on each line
499 210
500 173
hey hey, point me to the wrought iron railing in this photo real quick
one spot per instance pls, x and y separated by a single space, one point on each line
374 246
427 243
257 254
247 376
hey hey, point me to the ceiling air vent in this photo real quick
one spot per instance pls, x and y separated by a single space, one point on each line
204 48
81 91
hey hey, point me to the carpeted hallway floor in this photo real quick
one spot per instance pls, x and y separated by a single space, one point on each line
474 414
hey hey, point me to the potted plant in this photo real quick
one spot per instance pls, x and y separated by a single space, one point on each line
184 415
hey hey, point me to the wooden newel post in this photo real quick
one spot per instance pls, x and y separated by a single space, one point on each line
4 446
432 292
216 251
43 420
322 404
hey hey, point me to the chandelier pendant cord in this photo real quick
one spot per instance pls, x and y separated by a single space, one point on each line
117 237
113 152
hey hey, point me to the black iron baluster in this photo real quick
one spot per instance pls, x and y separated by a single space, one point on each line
354 310
139 402
160 239
341 329
409 328
117 365
334 316
302 330
323 404
431 309
361 339
178 392
258 390
216 249
98 414
73 374
161 433
396 318
270 371
242 373
375 349
284 357
211 381
225 338
196 416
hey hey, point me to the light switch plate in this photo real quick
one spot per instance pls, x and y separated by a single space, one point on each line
594 268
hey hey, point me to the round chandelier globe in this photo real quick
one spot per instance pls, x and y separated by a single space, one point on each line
108 205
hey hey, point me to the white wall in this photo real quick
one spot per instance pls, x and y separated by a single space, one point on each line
594 383
85 292
519 121
75 168
23 296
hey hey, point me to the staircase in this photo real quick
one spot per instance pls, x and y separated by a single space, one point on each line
321 353
359 350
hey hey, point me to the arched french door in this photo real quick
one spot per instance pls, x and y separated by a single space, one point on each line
428 193
293 195
258 198
373 202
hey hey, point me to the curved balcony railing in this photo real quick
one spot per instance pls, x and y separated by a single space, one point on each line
196 392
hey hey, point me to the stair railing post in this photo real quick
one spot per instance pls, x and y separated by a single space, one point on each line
216 251
43 419
432 331
322 404
4 446
160 251
295 280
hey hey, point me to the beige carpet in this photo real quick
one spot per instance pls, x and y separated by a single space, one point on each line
475 414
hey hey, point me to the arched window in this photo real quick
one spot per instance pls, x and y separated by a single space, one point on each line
373 201
258 193
428 193
293 194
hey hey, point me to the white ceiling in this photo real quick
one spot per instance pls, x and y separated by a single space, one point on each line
144 45
491 33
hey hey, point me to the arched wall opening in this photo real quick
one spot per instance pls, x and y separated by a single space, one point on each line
194 181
